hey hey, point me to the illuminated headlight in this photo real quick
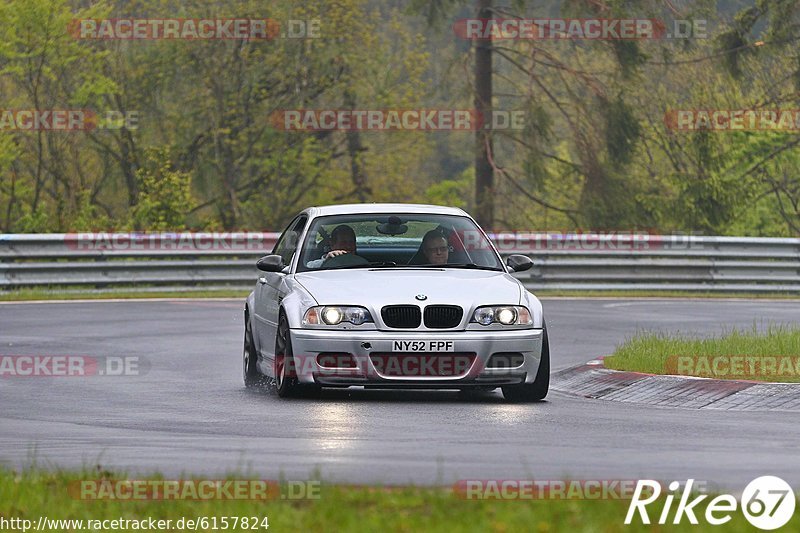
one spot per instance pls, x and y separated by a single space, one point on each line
508 315
333 315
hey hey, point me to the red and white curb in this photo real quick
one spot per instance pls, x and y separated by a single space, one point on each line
594 380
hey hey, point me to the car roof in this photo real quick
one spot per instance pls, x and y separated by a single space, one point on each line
378 208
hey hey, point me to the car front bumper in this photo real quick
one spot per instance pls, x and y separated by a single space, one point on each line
523 345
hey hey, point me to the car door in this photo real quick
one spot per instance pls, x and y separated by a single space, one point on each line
269 289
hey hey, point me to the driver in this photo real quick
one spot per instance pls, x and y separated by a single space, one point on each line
343 241
435 247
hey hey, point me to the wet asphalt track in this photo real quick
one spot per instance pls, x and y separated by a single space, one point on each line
190 412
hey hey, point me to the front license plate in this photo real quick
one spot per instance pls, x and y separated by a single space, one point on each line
428 346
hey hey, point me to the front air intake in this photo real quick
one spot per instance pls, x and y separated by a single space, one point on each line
401 316
443 316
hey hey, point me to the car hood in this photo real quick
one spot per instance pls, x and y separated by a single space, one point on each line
378 287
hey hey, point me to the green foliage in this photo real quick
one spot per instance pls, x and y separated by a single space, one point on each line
8 152
210 102
452 192
36 222
89 216
165 196
594 152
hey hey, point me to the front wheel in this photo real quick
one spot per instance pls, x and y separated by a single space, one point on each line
285 365
285 381
533 392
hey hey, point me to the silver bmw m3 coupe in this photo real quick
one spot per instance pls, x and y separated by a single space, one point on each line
393 296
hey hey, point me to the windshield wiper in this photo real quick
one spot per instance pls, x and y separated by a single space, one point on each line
426 265
472 266
459 265
374 264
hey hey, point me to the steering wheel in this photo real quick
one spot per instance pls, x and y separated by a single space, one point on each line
344 260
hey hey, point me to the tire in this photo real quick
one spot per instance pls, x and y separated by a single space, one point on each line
285 371
533 392
252 377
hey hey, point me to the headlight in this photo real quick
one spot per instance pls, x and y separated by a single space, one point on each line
508 315
484 315
332 315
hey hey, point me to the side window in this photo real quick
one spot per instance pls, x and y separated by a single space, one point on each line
287 244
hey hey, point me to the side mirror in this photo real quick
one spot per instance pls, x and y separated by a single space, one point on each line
518 262
270 263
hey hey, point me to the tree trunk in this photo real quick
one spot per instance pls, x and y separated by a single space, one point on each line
484 173
354 149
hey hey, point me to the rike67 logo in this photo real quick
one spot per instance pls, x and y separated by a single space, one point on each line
767 502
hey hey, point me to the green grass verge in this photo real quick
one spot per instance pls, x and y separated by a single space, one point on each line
771 355
32 494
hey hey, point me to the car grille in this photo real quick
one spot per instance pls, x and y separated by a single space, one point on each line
443 316
401 316
422 365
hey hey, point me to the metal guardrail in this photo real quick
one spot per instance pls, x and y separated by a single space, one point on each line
622 261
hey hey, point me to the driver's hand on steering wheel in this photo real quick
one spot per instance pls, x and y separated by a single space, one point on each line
334 253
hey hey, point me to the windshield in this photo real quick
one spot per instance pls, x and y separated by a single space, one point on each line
396 240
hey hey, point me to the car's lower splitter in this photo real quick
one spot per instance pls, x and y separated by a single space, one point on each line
399 383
